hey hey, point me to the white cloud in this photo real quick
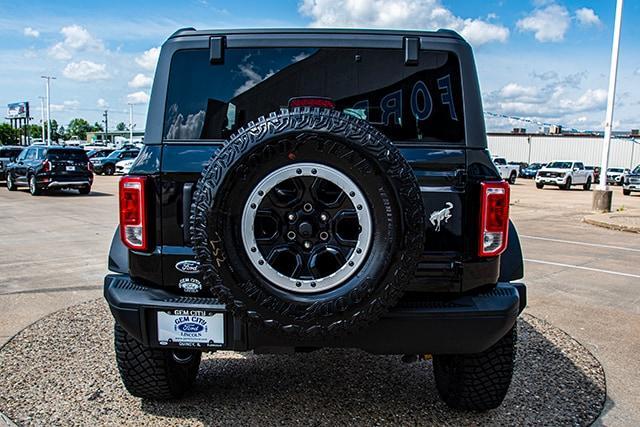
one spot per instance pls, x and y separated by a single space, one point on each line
587 17
56 107
76 39
30 32
149 58
253 78
415 14
548 24
102 103
85 71
59 51
592 99
516 91
140 97
140 81
72 104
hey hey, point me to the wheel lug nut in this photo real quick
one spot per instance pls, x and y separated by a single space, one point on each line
291 235
324 217
324 235
307 244
291 217
307 207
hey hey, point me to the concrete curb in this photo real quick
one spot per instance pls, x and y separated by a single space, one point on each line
600 220
6 421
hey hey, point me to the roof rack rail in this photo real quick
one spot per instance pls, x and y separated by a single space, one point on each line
182 30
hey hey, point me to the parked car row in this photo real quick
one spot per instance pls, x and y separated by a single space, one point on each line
41 167
108 164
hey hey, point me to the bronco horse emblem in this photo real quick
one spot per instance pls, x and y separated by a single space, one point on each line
437 217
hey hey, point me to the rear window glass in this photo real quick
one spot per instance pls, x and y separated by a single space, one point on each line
407 103
76 155
10 152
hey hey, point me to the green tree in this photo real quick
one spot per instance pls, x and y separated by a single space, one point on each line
121 126
97 127
78 127
8 135
35 131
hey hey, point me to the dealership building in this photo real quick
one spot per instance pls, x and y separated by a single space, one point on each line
587 148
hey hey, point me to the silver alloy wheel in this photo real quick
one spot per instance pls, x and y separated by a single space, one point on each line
32 184
350 216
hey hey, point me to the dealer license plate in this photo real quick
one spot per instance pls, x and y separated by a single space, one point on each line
71 168
191 328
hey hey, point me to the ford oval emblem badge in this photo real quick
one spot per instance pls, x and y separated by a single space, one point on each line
188 267
190 327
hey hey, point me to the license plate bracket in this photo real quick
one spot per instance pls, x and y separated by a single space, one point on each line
70 168
190 328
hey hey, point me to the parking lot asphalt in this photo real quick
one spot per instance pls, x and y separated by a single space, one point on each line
581 278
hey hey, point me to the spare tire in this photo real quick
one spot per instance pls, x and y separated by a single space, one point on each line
309 222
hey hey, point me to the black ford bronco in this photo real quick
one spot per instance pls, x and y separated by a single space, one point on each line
305 189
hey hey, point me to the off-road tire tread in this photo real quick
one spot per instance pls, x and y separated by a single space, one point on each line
480 381
310 120
152 373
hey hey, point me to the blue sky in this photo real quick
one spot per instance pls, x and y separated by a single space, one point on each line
544 60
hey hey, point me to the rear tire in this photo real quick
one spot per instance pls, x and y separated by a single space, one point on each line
587 185
85 190
626 192
33 186
11 186
479 381
108 170
539 186
154 373
512 178
567 186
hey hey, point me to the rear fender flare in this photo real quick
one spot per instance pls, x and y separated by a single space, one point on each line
511 262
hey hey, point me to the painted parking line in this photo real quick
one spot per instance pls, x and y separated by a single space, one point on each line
580 267
573 242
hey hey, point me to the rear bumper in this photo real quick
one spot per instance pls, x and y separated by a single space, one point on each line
466 324
69 184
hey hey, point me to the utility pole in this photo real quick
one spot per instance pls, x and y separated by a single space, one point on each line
106 125
130 123
48 83
42 116
602 196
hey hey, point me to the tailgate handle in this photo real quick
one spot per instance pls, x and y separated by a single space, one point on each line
187 196
411 49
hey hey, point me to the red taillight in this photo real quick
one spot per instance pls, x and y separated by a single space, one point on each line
311 101
494 218
133 212
46 166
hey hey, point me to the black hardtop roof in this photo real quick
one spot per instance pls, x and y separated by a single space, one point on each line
190 31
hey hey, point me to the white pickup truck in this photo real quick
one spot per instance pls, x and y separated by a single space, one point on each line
564 174
507 172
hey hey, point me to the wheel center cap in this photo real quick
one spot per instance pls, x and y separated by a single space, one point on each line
305 229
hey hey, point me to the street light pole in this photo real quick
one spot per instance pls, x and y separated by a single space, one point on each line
42 116
130 123
48 83
602 196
